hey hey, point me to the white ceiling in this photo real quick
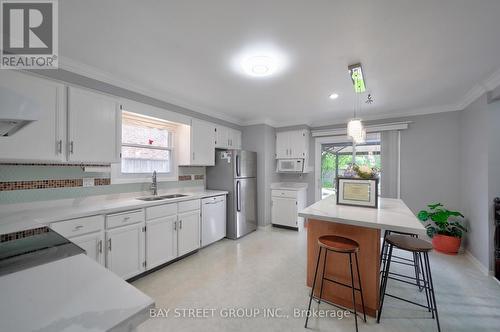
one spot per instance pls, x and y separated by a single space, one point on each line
418 56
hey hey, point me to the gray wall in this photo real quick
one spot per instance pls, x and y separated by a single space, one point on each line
261 139
474 177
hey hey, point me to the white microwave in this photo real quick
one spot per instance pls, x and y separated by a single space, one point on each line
290 165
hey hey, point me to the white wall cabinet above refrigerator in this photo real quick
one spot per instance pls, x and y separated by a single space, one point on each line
292 144
45 138
94 127
227 138
197 144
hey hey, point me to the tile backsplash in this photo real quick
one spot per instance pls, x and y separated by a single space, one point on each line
21 183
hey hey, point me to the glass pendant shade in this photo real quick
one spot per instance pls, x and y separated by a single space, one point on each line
354 128
361 139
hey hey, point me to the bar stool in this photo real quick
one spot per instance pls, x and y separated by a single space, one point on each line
414 245
340 245
416 260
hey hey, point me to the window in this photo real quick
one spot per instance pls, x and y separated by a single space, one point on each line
147 144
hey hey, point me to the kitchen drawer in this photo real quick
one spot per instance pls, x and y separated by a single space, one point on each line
284 193
124 218
189 205
79 226
161 211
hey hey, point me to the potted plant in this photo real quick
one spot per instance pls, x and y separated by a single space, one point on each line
365 172
444 227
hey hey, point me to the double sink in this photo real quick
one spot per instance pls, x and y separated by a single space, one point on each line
161 197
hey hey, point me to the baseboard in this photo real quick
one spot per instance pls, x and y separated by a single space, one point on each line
264 227
478 264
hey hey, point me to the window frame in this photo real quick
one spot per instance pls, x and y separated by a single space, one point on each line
117 177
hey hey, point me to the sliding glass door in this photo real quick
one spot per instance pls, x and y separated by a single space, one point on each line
337 155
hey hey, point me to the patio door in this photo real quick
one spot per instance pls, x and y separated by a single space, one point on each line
335 154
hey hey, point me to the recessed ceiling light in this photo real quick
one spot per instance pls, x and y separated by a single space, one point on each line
259 66
333 96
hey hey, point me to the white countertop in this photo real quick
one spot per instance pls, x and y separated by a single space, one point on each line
17 217
392 214
289 185
72 294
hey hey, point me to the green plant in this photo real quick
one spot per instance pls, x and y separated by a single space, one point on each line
442 221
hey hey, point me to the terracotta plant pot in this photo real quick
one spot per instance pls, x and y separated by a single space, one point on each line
446 244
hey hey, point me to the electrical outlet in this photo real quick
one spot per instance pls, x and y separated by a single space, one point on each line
88 182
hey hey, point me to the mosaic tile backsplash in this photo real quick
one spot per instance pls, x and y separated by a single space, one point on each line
21 183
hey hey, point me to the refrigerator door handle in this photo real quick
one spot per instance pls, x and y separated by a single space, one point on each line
238 166
238 196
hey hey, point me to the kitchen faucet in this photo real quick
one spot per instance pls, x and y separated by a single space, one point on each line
154 185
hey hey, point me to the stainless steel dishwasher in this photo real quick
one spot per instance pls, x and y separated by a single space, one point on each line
213 222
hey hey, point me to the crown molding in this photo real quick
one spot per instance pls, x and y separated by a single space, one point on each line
106 77
489 84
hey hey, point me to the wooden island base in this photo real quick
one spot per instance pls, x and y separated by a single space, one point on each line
337 265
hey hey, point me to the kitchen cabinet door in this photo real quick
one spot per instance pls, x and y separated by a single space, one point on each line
125 250
188 236
93 244
282 144
221 137
202 143
42 140
161 240
236 139
284 211
299 143
94 127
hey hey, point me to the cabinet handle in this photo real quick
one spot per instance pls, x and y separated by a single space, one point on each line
59 146
175 225
126 219
100 246
78 228
193 155
71 147
180 224
109 244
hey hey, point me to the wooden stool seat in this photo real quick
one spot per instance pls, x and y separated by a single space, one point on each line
409 243
338 244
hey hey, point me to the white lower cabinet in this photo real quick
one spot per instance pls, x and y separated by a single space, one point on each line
125 250
188 238
284 211
93 244
161 240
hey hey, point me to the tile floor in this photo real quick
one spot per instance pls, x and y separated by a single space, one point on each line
266 270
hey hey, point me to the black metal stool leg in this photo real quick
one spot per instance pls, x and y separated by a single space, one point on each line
360 287
353 293
384 282
312 290
426 284
431 288
322 277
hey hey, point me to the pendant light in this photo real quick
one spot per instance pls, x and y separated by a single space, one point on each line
355 128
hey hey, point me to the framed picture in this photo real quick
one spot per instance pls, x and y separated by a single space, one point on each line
357 192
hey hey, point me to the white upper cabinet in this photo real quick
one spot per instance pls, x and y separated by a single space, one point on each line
197 144
94 127
227 138
292 144
43 139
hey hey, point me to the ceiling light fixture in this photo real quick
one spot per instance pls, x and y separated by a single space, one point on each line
259 66
333 96
355 128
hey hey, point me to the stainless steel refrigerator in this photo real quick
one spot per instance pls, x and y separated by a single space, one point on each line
236 172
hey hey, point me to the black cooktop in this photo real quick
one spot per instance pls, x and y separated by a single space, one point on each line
34 249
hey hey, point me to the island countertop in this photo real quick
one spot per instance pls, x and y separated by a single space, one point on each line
391 214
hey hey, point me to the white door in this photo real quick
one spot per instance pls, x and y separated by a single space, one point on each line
93 244
297 144
161 241
188 238
282 145
236 139
94 127
221 137
125 250
43 139
202 143
284 211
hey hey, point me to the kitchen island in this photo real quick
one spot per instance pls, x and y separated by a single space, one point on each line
363 225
